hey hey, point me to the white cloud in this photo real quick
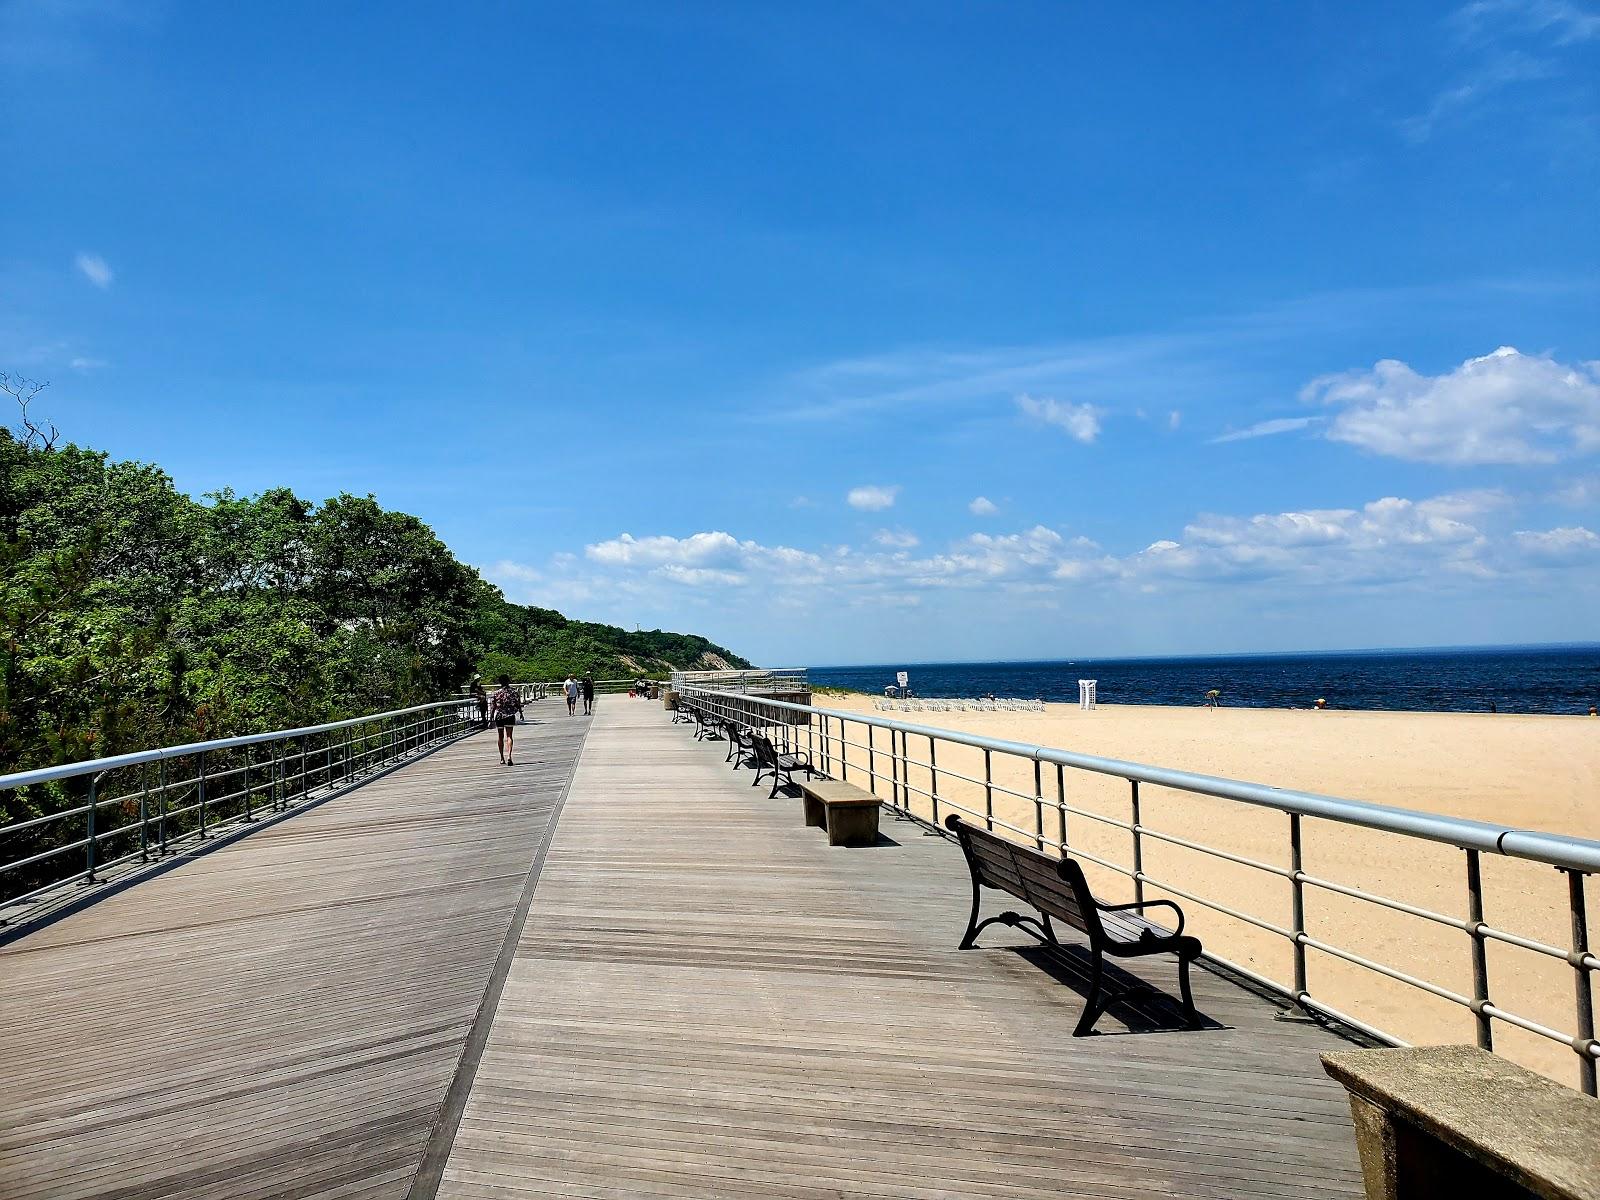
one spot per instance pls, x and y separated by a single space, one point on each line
1580 493
896 539
1266 429
1174 419
872 497
1567 546
95 269
1080 421
982 506
506 569
86 364
1505 407
699 576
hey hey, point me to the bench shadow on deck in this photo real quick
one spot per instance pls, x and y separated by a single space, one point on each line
707 1000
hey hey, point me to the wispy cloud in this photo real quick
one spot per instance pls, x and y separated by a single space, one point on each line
1081 422
1502 44
982 506
896 539
1266 429
872 497
95 269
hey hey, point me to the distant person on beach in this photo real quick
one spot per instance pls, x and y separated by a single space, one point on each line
1214 698
570 687
588 695
481 699
1320 705
507 706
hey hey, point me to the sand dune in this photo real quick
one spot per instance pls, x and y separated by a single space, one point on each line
1532 772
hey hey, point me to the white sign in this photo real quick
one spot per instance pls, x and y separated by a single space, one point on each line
901 677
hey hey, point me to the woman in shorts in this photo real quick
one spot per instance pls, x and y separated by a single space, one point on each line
506 706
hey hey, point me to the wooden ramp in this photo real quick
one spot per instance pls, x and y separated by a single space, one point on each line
285 1015
707 1000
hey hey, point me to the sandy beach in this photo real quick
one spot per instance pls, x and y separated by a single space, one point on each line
1532 772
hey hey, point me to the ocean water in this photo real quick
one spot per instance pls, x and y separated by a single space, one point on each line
1512 679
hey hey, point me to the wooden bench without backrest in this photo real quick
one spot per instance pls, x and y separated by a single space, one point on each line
849 814
1057 888
768 758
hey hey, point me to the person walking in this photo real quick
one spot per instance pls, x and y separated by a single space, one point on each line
588 695
571 689
507 707
481 699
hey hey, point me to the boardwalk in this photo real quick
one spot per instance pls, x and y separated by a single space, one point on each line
281 1017
705 1001
708 1001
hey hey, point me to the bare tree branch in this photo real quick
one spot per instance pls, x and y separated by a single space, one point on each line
25 391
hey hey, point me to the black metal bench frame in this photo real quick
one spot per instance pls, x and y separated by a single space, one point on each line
705 725
1057 888
740 747
768 759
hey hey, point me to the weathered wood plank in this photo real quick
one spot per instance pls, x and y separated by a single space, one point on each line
281 1017
707 1000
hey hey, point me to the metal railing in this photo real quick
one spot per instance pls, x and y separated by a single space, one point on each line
774 679
1025 803
106 812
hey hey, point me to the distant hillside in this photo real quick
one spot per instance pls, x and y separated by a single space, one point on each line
132 615
539 643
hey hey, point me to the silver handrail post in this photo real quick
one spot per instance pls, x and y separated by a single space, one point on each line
933 780
1583 985
988 789
144 814
1138 847
202 778
161 820
88 847
1297 893
872 764
1061 805
249 813
1038 804
1480 959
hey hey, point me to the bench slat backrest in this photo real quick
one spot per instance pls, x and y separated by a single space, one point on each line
1056 887
765 754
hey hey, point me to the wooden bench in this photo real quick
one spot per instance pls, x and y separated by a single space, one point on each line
705 725
1459 1121
849 814
769 758
1057 888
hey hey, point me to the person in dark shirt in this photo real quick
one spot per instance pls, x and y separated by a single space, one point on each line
588 695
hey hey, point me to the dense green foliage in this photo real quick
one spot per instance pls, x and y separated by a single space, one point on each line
132 615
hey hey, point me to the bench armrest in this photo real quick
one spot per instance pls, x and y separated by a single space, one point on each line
1140 904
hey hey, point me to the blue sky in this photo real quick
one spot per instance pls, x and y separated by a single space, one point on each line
853 332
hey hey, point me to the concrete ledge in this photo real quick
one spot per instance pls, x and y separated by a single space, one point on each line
1456 1120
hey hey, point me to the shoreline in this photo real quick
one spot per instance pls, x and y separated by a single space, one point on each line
1331 710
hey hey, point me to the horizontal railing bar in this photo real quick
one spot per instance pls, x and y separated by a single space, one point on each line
94 766
1580 854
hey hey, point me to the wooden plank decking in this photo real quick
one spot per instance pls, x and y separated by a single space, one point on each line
284 1016
707 1000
